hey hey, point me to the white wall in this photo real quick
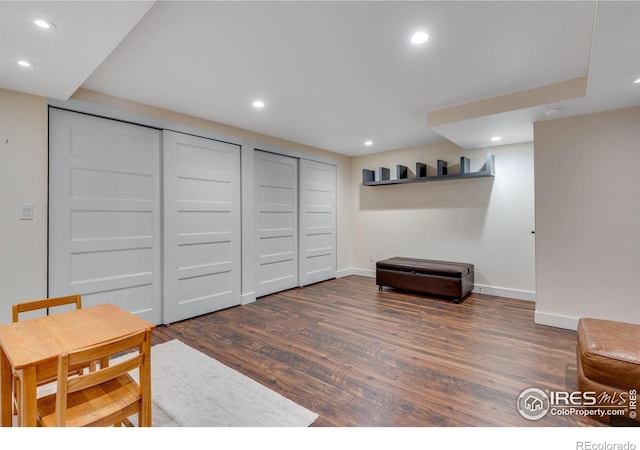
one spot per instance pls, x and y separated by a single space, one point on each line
587 214
484 221
23 179
588 218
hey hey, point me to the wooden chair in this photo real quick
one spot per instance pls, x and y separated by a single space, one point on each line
45 303
36 305
107 396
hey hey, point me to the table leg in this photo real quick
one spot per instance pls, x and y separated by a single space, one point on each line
144 418
28 397
6 402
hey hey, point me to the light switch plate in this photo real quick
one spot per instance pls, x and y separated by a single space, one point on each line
27 211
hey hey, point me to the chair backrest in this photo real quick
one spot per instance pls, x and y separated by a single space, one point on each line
52 302
139 342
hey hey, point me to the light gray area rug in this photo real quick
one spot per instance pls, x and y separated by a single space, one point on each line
190 389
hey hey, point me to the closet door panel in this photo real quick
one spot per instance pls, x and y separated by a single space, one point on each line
201 225
276 197
104 212
317 222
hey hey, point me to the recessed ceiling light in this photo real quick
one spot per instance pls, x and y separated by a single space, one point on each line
637 81
258 104
45 24
496 138
419 37
25 63
368 143
551 111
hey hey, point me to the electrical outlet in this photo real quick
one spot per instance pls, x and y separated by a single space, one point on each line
371 258
26 211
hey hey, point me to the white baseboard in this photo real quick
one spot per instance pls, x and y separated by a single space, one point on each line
344 273
554 320
247 298
478 288
504 292
370 273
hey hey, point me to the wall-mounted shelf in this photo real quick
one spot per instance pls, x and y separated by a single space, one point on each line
370 178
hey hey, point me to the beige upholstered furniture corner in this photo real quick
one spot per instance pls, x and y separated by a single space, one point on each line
608 363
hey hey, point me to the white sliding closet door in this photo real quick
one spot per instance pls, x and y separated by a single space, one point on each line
317 222
201 225
104 212
276 197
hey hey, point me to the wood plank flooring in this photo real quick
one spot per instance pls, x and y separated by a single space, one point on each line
360 357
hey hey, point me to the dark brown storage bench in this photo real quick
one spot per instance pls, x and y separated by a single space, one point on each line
453 280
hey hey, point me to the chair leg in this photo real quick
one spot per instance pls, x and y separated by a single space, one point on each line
126 423
13 396
15 400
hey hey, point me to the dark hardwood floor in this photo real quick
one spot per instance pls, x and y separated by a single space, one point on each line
360 357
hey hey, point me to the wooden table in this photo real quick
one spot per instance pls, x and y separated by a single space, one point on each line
31 347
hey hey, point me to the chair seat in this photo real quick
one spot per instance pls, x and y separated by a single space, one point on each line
119 398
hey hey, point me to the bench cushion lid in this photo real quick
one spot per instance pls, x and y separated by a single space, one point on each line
426 266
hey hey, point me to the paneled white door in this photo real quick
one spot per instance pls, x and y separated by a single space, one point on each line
276 199
318 257
201 225
104 212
